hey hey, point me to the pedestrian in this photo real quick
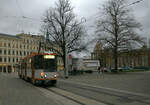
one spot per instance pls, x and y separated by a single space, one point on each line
99 69
102 69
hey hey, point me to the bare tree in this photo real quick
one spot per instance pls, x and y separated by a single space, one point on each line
116 29
63 29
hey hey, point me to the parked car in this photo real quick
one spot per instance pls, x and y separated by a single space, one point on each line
114 70
127 68
141 68
120 68
106 69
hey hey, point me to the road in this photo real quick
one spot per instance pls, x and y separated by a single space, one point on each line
14 91
137 82
77 90
108 96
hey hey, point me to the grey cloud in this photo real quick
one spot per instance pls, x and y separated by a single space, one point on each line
12 22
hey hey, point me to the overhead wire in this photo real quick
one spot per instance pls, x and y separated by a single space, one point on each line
24 18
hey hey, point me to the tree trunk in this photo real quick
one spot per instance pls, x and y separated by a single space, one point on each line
116 59
64 61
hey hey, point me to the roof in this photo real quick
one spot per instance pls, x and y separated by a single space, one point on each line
8 35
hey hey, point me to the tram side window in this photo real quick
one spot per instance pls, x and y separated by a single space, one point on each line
29 64
23 65
38 62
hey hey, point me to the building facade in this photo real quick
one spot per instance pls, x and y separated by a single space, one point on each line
132 58
13 48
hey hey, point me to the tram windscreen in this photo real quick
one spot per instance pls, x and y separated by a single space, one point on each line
46 62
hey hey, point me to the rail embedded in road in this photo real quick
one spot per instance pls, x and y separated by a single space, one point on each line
67 98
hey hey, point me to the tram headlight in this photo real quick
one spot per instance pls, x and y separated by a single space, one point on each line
42 74
55 76
45 75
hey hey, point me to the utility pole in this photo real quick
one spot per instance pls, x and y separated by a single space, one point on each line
39 47
66 60
149 43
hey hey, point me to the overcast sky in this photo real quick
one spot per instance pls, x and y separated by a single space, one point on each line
12 11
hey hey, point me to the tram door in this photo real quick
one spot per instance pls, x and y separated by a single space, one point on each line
25 69
32 67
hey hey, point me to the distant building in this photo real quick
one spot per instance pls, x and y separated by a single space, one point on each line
15 47
132 58
85 64
77 64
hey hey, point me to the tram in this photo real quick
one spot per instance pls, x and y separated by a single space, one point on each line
39 68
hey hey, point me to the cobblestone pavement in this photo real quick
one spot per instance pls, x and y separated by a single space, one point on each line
129 81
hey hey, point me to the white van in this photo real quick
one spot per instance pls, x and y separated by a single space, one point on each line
91 65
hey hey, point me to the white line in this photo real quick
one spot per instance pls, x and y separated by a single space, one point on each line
111 89
79 98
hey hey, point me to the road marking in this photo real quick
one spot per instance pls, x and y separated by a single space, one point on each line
82 99
59 100
111 89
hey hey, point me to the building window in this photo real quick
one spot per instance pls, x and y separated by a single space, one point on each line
0 59
16 52
13 60
9 52
5 52
16 45
27 41
20 53
9 60
24 53
17 60
8 44
13 52
20 46
5 59
0 51
0 44
24 47
4 44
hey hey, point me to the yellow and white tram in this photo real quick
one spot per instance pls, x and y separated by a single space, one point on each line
39 68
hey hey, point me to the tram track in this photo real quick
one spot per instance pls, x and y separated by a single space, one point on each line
62 97
122 96
69 98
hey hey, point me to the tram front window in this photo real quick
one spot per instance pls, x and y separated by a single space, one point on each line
49 65
46 62
38 62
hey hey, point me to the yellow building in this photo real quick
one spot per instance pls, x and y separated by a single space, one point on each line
132 58
13 48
